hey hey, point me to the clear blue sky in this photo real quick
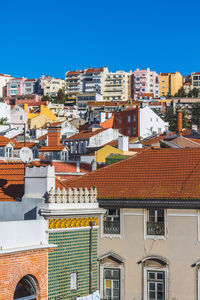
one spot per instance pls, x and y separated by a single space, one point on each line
51 37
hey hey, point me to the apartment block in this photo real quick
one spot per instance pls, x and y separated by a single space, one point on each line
117 86
74 83
145 82
170 83
195 79
21 86
93 80
52 87
88 81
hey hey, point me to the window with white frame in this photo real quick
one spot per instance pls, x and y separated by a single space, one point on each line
155 285
156 222
73 281
111 284
8 152
111 222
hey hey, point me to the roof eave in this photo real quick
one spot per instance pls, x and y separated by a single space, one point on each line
182 203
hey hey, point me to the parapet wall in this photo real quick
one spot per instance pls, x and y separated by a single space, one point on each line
73 195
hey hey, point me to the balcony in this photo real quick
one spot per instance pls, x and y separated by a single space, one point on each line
111 227
155 228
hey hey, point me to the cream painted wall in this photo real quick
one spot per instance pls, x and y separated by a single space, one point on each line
181 248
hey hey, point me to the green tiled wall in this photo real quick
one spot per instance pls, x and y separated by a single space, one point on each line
71 255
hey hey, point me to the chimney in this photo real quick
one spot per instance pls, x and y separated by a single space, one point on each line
93 165
123 142
54 136
39 181
179 122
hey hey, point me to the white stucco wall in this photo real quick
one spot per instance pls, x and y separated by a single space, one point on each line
150 122
5 111
19 234
103 137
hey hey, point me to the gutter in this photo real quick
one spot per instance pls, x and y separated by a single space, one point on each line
146 203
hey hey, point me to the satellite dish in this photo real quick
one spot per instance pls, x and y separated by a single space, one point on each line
26 155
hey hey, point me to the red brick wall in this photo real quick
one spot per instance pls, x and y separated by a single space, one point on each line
126 127
16 265
54 137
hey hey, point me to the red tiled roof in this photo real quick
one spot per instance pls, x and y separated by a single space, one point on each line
4 141
108 123
43 137
153 173
11 181
74 72
19 145
52 148
153 140
85 134
96 70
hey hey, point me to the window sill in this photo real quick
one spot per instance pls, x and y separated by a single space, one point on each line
111 236
155 237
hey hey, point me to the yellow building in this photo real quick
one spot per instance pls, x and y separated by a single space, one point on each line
53 86
117 86
170 83
104 152
40 118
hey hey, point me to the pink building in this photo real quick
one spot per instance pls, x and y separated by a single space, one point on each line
15 86
145 82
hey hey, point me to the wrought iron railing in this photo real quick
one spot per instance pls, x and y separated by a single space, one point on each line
155 228
111 227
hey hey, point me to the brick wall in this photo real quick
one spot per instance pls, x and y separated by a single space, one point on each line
16 265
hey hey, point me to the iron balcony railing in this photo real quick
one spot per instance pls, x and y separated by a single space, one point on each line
111 227
155 228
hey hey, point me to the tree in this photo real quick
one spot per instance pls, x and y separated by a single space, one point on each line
171 117
193 93
60 98
3 121
181 93
46 98
195 114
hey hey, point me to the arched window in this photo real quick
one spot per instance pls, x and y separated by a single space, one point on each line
26 289
155 277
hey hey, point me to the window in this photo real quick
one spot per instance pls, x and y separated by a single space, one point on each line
134 118
155 285
73 281
155 222
111 284
111 222
134 130
8 152
26 288
129 119
21 118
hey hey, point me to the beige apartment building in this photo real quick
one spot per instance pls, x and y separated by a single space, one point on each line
170 83
149 246
54 84
117 86
74 83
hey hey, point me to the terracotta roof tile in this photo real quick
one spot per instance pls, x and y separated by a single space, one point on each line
85 134
160 174
11 181
52 148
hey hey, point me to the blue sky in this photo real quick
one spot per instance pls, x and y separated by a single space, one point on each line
51 37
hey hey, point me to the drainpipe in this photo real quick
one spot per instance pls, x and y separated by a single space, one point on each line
91 240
